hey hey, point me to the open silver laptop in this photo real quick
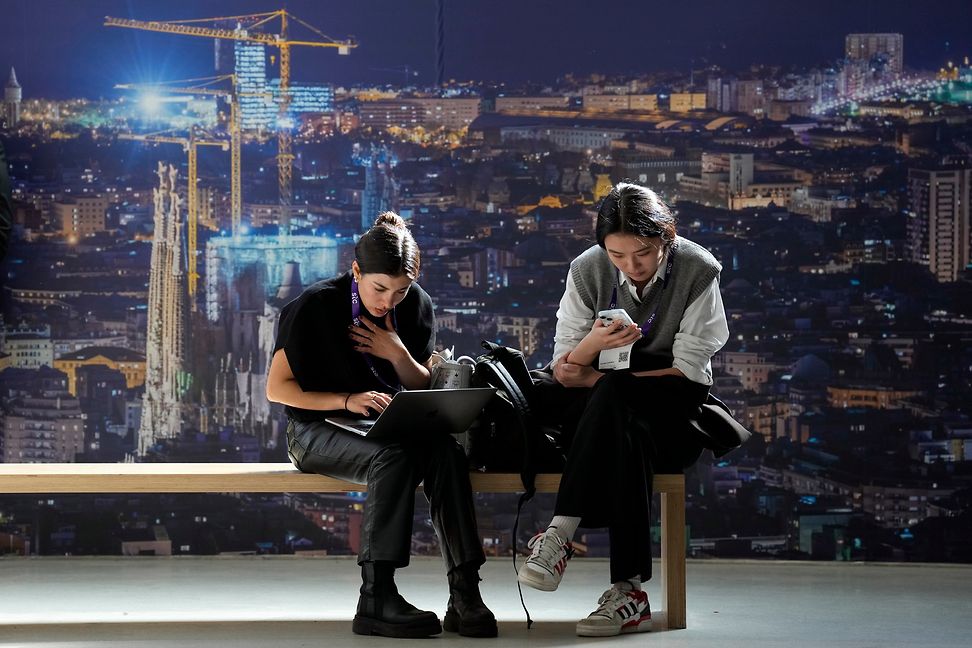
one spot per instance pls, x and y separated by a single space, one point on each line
422 411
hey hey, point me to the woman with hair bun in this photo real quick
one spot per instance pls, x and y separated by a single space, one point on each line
346 345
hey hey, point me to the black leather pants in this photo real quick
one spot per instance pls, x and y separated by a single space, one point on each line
392 471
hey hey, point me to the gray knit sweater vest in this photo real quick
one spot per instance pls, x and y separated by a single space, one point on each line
693 269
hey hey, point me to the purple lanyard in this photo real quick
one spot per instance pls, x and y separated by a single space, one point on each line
356 321
668 273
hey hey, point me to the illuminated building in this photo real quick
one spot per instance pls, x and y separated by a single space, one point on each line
513 104
718 95
29 348
229 259
127 362
567 138
681 102
938 223
450 112
81 215
259 96
257 112
12 95
307 97
747 97
610 103
43 427
736 95
872 48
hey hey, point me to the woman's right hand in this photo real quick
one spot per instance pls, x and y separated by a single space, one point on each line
610 336
365 403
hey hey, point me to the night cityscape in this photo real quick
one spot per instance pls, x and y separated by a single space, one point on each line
178 177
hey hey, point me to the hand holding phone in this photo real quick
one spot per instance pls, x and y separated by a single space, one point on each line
612 315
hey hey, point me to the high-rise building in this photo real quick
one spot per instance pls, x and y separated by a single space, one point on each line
884 49
938 225
718 95
257 111
740 173
260 96
747 97
12 95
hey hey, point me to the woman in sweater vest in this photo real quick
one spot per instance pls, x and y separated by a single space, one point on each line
631 419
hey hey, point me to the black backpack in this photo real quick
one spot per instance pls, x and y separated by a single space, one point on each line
509 437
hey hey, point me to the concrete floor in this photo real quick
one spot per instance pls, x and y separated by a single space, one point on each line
289 602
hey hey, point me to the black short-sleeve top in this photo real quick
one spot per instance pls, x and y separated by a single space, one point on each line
313 332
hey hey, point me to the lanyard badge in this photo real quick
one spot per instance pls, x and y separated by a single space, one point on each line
620 358
668 274
356 321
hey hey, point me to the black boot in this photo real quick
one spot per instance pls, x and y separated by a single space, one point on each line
466 612
383 611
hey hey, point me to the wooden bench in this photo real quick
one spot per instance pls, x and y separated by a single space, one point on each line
283 477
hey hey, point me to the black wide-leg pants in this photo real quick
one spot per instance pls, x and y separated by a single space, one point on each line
392 471
627 429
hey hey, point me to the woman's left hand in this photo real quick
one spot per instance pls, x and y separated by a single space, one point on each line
379 342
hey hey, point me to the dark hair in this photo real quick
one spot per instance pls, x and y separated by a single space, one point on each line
388 248
632 209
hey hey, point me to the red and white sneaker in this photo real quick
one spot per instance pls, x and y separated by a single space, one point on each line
545 566
618 612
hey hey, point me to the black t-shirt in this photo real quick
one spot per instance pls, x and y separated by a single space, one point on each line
313 332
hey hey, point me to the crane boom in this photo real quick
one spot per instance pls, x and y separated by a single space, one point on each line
285 157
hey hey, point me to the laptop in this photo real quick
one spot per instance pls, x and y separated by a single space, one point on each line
426 411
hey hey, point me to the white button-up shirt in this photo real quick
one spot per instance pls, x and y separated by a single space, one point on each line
701 333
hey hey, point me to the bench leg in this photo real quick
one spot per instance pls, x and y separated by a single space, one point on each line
673 556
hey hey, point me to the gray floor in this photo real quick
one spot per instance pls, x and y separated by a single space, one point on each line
287 601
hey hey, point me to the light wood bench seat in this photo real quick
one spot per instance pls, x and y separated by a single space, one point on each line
283 477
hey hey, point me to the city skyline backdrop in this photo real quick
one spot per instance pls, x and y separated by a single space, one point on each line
76 56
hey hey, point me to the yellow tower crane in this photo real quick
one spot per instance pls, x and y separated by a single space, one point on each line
189 145
203 86
250 28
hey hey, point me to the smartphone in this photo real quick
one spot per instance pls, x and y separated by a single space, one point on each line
614 314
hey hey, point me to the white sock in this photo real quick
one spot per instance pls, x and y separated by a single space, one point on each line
565 526
628 585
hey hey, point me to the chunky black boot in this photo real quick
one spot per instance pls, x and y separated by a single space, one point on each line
466 612
383 611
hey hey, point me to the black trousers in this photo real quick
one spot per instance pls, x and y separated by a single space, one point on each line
627 429
392 471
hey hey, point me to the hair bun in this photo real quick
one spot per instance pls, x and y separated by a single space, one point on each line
392 219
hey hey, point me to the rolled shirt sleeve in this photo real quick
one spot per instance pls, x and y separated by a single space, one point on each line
574 320
702 332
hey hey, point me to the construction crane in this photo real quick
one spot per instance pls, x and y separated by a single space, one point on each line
190 145
250 28
204 86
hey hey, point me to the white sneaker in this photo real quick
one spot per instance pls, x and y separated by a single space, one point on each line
618 612
545 566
